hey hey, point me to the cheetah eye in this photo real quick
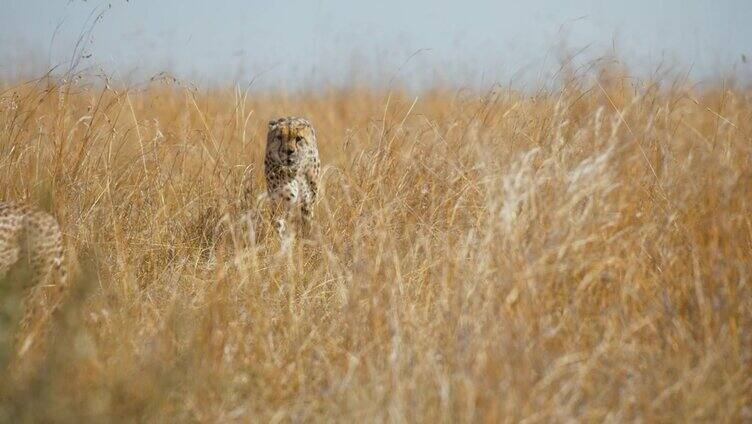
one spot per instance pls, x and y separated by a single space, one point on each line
298 138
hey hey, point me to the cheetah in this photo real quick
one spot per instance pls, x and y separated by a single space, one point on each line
292 170
29 234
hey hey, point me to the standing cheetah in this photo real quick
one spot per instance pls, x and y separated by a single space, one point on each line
29 234
292 170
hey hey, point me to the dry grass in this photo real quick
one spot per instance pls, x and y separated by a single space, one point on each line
578 254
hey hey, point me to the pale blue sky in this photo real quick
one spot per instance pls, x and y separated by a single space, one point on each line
294 43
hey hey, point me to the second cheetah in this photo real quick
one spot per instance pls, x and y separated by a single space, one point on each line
29 234
292 170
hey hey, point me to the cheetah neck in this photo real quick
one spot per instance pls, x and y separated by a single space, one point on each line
286 171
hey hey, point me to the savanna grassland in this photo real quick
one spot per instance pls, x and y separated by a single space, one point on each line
579 253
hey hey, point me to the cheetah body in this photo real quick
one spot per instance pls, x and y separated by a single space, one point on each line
29 234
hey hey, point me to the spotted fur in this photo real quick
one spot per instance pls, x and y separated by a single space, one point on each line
292 170
31 235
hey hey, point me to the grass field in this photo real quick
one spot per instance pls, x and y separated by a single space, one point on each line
581 253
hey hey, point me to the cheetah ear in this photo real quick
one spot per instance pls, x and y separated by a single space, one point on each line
272 123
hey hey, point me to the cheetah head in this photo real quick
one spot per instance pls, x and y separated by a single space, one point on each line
288 139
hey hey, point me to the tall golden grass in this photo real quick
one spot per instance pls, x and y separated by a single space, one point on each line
581 253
